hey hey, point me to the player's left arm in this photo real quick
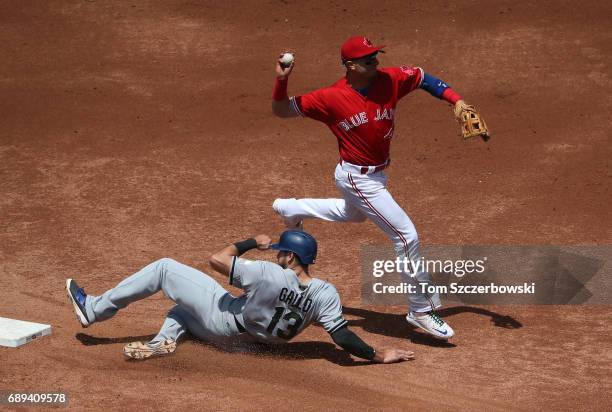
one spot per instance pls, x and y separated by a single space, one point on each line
223 259
353 344
330 317
472 123
412 78
439 88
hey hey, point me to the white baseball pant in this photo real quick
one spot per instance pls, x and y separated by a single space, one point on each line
366 196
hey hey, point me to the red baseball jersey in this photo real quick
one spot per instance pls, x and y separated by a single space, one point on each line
362 124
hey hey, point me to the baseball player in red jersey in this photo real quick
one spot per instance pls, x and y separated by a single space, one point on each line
360 109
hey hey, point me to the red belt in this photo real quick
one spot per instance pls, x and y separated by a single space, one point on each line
366 169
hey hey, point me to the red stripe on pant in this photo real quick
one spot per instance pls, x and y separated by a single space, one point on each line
361 195
401 236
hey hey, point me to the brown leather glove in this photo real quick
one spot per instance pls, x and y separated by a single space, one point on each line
472 123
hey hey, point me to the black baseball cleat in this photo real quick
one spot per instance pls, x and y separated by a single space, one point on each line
77 296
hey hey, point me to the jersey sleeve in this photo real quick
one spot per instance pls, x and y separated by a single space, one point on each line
330 313
408 79
313 105
246 274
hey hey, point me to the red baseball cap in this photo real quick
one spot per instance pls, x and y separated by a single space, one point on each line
357 47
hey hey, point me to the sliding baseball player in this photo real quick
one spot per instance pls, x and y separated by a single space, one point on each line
280 300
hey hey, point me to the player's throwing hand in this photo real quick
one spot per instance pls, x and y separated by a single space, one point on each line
393 355
283 70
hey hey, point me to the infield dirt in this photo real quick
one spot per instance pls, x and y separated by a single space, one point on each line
137 130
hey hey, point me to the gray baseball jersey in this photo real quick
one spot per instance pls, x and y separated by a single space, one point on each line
277 307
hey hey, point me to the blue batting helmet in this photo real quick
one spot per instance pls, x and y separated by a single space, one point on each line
300 243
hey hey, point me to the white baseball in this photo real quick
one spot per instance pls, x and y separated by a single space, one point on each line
286 59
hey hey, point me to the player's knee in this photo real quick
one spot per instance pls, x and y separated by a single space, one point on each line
280 206
408 232
276 205
405 239
164 263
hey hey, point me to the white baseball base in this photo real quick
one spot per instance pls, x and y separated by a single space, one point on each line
14 333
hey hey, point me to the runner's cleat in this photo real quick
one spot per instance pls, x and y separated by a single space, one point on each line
77 297
142 351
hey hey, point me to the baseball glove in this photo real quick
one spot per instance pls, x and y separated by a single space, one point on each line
472 123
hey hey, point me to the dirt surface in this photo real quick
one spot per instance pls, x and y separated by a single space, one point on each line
137 130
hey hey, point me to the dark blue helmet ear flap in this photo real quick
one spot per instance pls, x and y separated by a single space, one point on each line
299 242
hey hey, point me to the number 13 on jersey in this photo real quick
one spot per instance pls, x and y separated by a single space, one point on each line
294 321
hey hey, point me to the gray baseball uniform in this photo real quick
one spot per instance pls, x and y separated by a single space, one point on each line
274 308
277 306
